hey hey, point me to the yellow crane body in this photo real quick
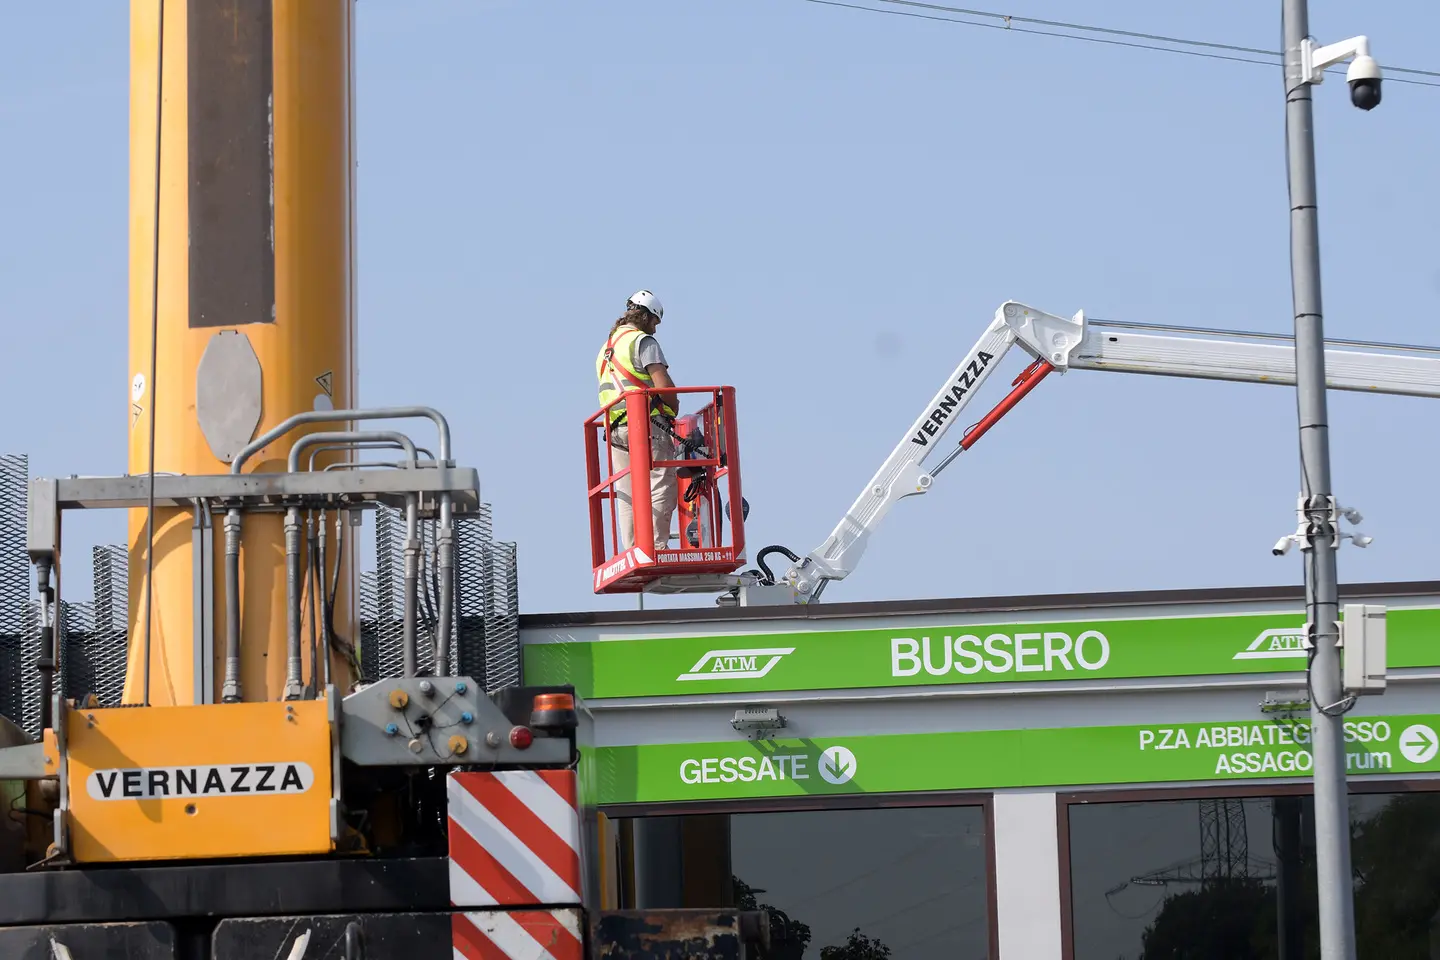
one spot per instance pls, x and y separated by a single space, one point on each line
253 310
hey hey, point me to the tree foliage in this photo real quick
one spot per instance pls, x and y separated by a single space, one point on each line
856 947
788 937
1234 919
1395 856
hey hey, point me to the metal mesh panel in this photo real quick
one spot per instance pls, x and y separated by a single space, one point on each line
370 639
94 654
112 621
471 539
502 619
384 656
92 635
74 624
485 629
19 638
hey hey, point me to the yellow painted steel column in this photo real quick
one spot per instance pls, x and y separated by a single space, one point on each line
255 294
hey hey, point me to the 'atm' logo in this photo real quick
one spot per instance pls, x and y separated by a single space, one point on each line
736 664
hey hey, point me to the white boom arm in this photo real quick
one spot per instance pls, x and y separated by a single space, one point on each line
1044 336
1077 344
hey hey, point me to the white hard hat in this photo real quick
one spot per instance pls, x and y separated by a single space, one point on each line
648 300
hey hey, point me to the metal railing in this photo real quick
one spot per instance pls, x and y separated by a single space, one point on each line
94 634
707 464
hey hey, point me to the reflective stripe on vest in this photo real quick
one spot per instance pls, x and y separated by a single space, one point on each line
616 370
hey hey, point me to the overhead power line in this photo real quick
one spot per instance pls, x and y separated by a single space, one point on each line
1107 35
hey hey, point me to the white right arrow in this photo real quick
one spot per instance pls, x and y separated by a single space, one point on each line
1419 744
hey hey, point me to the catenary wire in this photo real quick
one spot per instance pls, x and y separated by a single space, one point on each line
1008 18
1007 23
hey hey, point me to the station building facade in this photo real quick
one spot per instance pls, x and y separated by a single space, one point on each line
1083 776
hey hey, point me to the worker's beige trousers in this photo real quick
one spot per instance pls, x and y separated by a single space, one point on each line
664 487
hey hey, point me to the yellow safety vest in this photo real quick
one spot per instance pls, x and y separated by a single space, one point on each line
617 372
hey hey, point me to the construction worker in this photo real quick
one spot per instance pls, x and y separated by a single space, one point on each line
632 360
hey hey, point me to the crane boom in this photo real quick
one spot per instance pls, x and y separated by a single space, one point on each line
1058 344
1253 358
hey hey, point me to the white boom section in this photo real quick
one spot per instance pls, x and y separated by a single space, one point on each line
1041 334
1097 345
1253 358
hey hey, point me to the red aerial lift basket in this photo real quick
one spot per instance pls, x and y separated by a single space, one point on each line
711 536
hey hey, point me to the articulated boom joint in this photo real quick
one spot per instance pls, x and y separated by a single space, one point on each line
1044 335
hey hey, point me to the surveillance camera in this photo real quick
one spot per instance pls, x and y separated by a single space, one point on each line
1364 79
1360 540
1282 547
1353 515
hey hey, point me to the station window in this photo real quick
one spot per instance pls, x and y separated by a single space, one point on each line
850 884
1234 877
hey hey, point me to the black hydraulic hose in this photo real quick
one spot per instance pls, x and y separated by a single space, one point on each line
312 586
340 520
428 583
766 551
321 599
333 639
434 597
354 942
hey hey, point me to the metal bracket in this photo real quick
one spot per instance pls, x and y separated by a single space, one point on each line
61 847
435 721
759 723
1285 705
1315 59
276 492
1329 511
1050 337
1308 633
24 762
42 520
333 715
766 595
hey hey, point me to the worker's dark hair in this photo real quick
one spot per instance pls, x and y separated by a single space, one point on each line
634 313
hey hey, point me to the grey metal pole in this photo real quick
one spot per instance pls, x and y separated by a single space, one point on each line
1332 805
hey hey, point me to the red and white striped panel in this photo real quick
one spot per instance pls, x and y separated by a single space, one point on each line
517 935
514 839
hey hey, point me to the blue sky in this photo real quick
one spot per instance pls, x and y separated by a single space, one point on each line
831 205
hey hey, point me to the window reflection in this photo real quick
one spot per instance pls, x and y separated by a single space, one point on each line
861 882
1235 878
868 884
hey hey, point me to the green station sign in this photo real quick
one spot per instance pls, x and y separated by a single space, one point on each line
912 656
994 759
